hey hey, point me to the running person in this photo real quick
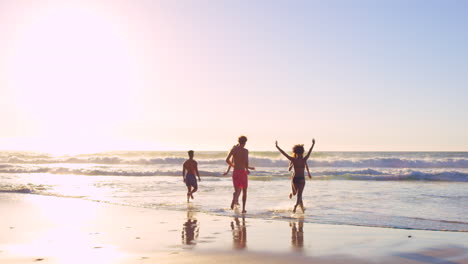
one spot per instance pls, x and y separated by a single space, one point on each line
240 163
189 170
299 163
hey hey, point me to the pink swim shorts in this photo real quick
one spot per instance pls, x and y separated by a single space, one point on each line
239 179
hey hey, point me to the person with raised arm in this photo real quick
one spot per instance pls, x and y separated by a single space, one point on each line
299 163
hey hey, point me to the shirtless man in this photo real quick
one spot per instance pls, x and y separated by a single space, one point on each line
190 169
240 163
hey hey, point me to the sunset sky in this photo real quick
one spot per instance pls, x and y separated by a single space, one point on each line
96 75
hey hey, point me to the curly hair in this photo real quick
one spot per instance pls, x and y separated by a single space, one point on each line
298 150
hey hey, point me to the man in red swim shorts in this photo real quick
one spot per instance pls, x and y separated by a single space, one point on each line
240 163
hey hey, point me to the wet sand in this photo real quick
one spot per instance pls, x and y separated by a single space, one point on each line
42 229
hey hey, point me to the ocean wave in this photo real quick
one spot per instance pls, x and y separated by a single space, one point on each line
22 188
403 175
263 175
255 161
376 175
392 163
14 169
100 171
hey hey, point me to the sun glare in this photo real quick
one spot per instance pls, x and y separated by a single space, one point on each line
66 238
73 74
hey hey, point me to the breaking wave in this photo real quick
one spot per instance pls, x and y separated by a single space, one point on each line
326 174
255 161
22 188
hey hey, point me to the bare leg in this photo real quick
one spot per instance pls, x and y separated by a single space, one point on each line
300 190
189 192
235 197
194 190
233 202
238 192
244 200
293 191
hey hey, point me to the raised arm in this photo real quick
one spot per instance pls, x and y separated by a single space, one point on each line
310 150
282 152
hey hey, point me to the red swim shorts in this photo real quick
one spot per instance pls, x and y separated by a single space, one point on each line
239 179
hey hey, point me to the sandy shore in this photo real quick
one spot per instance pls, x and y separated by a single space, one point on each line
41 229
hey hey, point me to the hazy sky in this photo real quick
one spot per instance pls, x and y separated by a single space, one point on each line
84 76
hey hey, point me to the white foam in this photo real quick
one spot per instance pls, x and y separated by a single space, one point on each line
258 162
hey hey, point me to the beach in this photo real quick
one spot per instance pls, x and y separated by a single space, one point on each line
403 190
233 132
46 229
130 207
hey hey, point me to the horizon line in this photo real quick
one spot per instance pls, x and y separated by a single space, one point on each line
212 150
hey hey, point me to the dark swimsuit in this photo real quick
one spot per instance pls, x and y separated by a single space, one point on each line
191 180
298 178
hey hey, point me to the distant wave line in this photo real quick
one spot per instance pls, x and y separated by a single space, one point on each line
359 174
256 161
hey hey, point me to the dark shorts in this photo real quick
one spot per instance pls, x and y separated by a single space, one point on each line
298 180
191 180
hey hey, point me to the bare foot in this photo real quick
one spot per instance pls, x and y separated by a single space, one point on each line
191 195
244 211
234 201
290 196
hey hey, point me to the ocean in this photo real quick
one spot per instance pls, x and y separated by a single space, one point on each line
404 190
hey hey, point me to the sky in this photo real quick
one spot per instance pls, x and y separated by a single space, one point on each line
356 75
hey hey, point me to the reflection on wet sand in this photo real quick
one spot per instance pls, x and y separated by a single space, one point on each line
190 230
239 233
297 234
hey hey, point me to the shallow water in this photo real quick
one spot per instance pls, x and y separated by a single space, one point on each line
429 198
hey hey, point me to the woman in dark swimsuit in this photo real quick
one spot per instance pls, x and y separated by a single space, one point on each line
299 163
